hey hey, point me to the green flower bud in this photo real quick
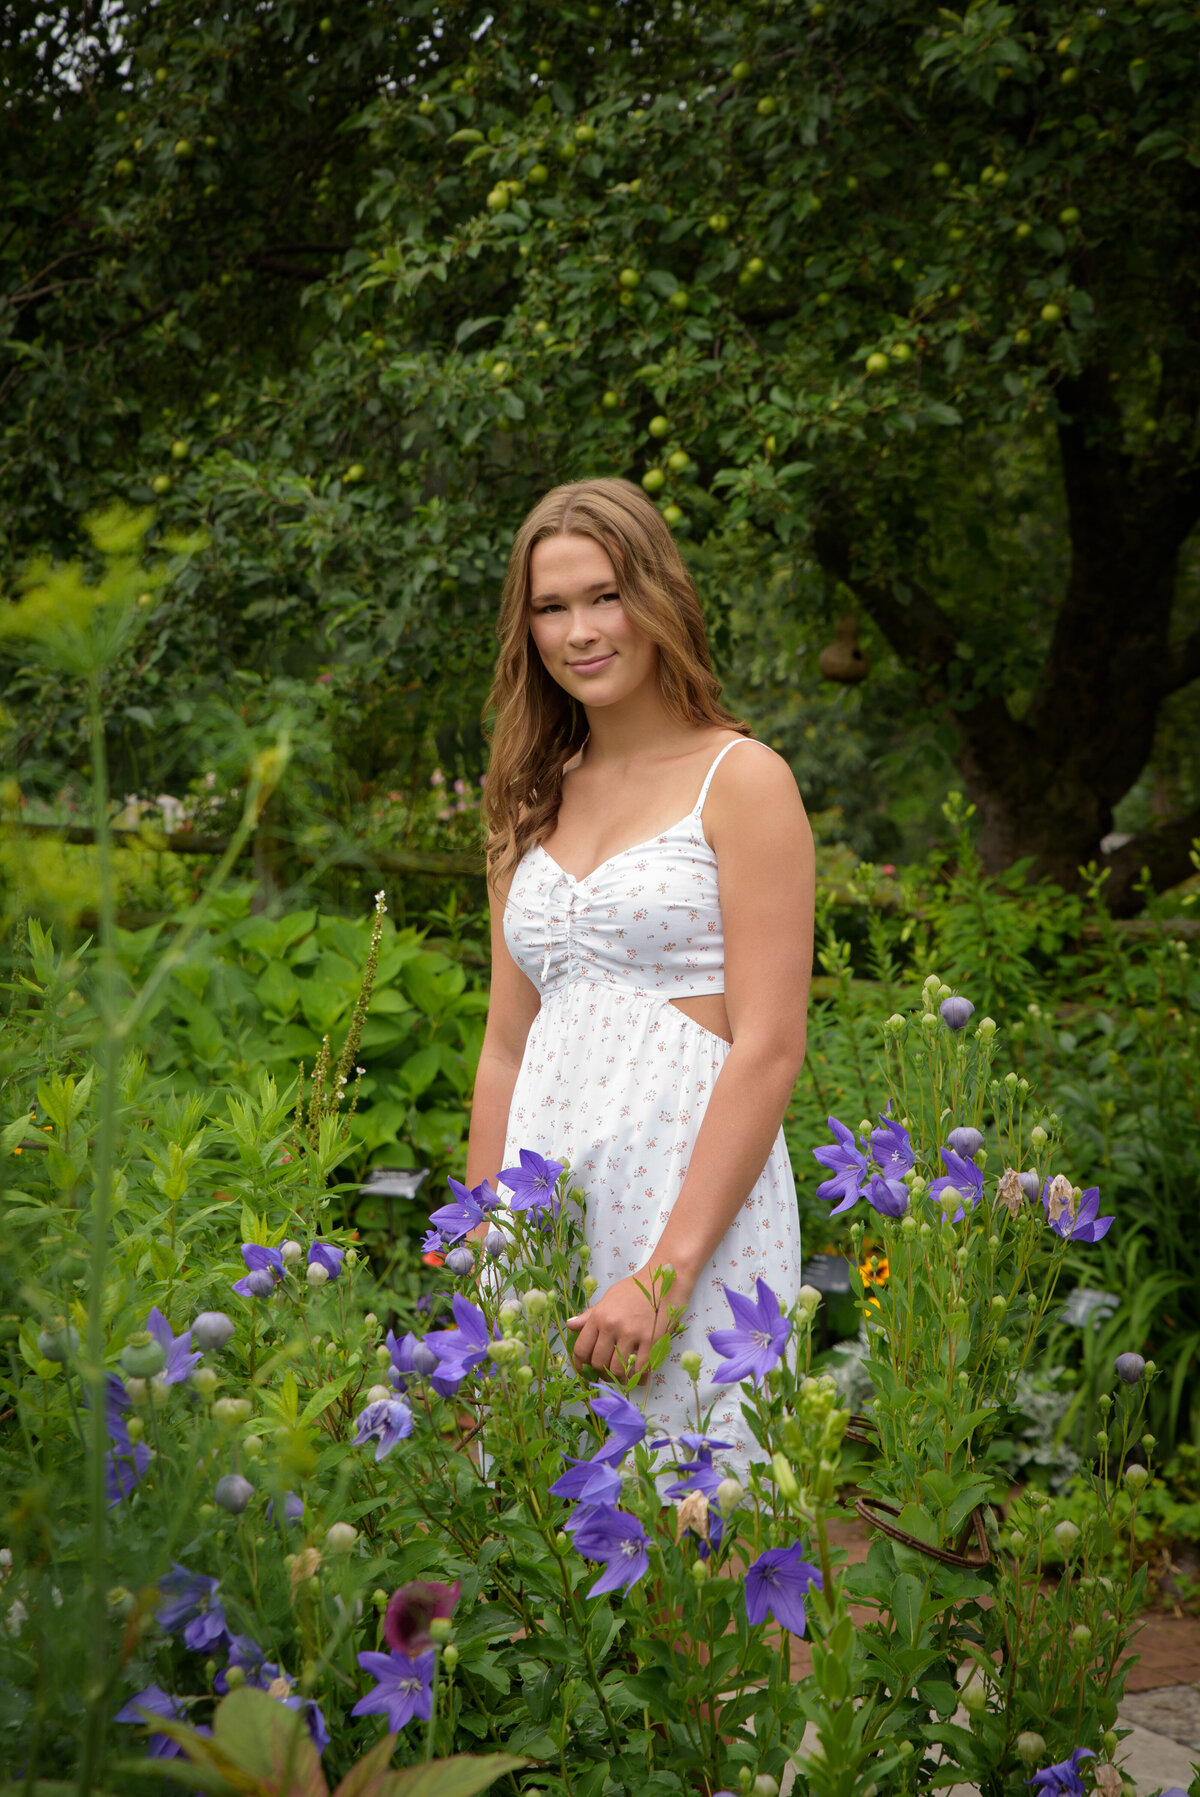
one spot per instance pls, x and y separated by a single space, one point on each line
785 1478
1135 1477
135 1428
1039 1138
142 1356
204 1380
1067 1536
235 1677
973 1695
986 1027
59 1341
536 1303
764 1786
590 1286
895 1023
440 1629
1031 1747
231 1410
1109 1741
340 1537
999 1305
1081 1637
379 1598
450 1657
524 1377
382 1354
729 1494
699 1571
808 1300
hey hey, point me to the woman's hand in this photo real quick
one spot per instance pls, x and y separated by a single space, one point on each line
615 1335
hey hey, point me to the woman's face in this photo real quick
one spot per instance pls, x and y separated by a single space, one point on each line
579 626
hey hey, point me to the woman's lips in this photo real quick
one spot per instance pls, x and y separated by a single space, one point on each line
593 664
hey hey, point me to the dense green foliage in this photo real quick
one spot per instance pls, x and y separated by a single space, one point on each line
902 312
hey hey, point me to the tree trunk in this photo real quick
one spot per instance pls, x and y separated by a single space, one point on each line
1044 787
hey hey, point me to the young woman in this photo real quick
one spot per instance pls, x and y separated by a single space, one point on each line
651 875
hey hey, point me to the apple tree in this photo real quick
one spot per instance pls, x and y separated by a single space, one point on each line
844 283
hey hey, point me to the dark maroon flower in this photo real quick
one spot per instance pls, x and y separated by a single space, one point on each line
411 1610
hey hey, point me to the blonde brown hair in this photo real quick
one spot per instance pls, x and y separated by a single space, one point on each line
537 727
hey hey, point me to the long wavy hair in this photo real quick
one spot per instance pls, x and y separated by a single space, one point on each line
537 727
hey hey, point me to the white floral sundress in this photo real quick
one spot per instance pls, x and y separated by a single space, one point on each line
615 1080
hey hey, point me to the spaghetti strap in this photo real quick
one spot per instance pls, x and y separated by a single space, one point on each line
718 759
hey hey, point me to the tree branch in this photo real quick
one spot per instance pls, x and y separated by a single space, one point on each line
1164 850
1183 664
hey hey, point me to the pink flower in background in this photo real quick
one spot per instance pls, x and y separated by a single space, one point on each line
437 778
324 679
888 868
460 786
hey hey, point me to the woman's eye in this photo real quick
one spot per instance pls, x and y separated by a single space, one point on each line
613 596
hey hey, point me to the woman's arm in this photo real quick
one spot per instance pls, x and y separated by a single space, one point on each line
756 823
512 1007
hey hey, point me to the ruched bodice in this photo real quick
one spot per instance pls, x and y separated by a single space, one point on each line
646 920
615 1079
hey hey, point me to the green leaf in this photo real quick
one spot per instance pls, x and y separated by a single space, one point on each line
461 1776
908 1594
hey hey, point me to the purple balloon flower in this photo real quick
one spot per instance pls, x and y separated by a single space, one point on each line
588 1482
403 1689
126 1461
179 1360
956 1013
191 1604
626 1424
961 1177
460 1262
386 1421
154 1701
469 1210
888 1196
532 1184
891 1146
1130 1367
965 1140
617 1539
324 1254
1062 1779
266 1675
461 1349
848 1165
265 1271
1074 1225
293 1508
757 1343
776 1585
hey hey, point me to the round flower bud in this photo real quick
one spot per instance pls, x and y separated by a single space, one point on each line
449 1656
908 1224
260 1283
929 1021
1081 1637
460 1262
370 1322
379 1394
1109 1741
973 1695
986 1027
1148 1442
965 1141
1130 1367
317 1275
233 1493
137 1390
292 1253
440 1629
1067 1535
764 1786
785 1478
142 1355
808 1300
729 1494
509 1308
895 1023
1039 1138
494 1243
536 1303
1016 1541
691 1362
999 1304
424 1360
211 1330
1135 1477
524 1376
1031 1184
235 1677
383 1354
1031 1747
252 1446
120 1600
204 1380
59 1341
135 1428
340 1537
231 1410
956 1013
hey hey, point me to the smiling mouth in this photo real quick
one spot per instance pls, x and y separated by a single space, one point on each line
592 661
